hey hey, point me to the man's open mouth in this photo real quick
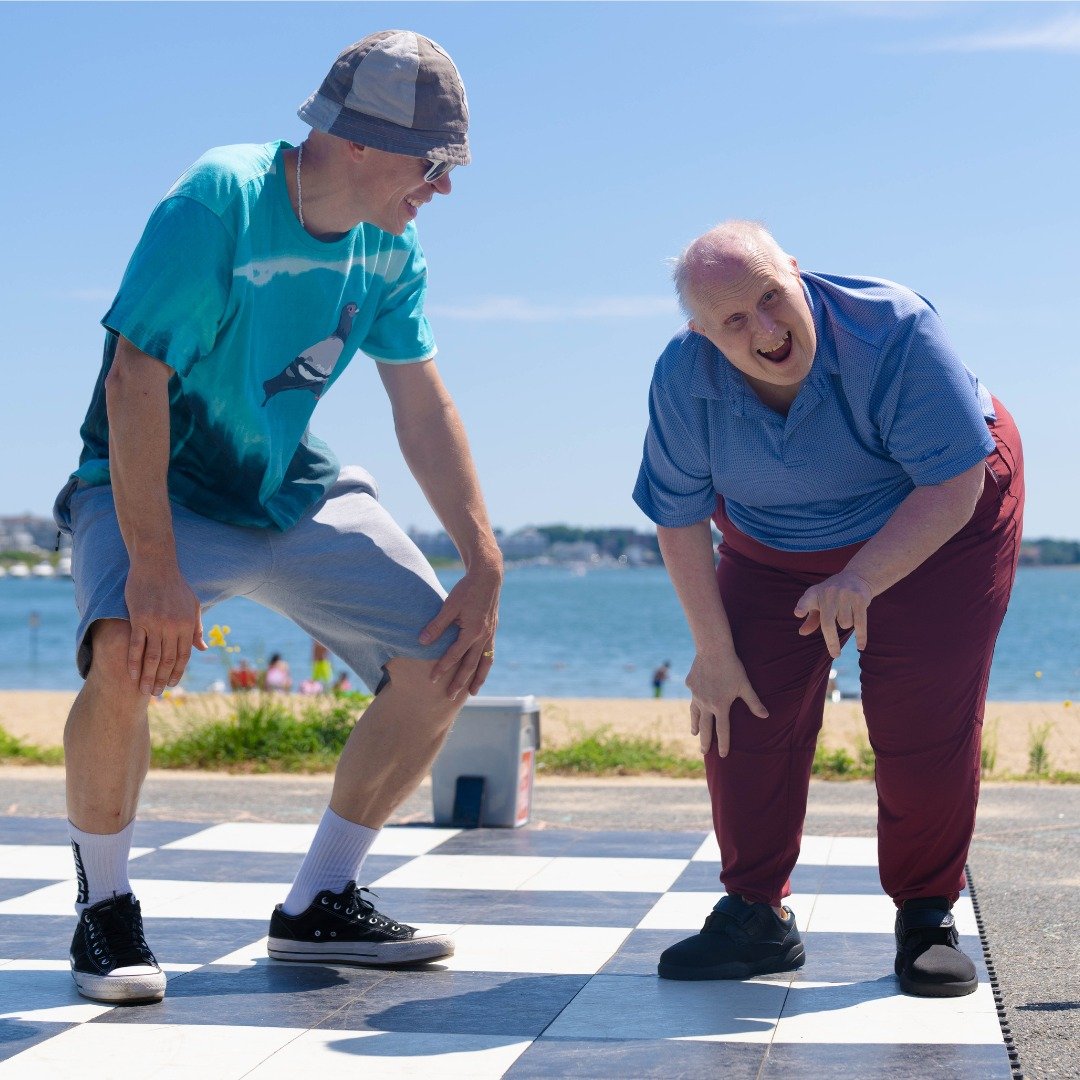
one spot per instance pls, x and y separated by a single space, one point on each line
780 353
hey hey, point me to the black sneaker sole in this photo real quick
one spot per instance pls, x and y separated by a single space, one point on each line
937 990
792 960
365 953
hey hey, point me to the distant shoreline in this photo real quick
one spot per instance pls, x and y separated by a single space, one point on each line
38 716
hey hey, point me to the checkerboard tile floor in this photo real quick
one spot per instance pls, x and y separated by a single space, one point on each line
558 933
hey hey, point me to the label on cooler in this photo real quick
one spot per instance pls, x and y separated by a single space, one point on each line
524 787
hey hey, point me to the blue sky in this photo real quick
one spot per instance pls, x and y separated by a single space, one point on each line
934 144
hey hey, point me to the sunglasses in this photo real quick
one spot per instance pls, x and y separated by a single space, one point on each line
436 170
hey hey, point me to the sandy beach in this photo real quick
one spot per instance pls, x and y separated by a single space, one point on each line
38 717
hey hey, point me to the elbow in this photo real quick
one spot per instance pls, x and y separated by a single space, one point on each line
967 489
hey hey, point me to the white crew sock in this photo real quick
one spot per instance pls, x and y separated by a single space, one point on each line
101 864
333 860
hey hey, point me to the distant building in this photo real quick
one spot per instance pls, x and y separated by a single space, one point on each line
574 551
527 543
27 532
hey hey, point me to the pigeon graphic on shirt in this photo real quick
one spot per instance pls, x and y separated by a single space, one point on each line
311 369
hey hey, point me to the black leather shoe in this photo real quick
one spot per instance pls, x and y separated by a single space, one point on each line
738 940
929 962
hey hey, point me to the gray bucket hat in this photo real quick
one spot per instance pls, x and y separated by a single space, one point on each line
395 91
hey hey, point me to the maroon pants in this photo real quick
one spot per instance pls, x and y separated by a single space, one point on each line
924 675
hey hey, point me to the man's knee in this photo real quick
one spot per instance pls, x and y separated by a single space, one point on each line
410 680
109 643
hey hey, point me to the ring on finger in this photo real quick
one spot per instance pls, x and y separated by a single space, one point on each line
489 653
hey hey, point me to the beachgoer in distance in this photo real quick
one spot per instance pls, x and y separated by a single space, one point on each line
342 684
260 275
243 677
659 677
864 482
276 677
321 670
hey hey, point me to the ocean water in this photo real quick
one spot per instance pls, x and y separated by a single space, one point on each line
561 634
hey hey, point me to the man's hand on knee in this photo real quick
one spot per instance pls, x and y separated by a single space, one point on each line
472 606
166 623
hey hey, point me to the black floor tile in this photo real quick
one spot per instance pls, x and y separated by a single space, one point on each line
270 994
580 843
39 937
640 952
12 887
35 830
539 908
685 1060
19 1035
461 1003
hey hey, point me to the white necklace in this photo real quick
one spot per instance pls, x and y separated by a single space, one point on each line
299 189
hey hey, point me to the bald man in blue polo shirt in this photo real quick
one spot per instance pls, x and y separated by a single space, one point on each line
864 482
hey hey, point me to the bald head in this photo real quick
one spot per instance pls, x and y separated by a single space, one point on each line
723 256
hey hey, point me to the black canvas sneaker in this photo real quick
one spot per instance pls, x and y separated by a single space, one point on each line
344 928
738 940
110 960
929 962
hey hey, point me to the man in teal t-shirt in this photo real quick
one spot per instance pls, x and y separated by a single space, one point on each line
258 278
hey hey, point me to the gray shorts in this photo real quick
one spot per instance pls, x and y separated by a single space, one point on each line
345 573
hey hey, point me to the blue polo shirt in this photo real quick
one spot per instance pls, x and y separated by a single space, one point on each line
888 406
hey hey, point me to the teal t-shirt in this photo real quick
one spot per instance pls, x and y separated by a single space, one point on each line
258 319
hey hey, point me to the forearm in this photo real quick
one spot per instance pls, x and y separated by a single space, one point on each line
688 557
436 450
921 524
137 399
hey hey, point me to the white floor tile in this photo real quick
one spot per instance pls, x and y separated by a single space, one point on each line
377 1054
43 861
175 1052
853 851
873 913
542 950
296 839
687 910
161 898
410 841
816 850
464 872
645 1007
878 1013
709 850
249 836
577 874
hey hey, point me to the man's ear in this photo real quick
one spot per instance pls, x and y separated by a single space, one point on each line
694 326
794 264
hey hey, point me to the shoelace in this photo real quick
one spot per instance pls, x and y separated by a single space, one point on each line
365 909
115 937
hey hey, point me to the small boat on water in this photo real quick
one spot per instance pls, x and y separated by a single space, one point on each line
63 566
43 569
19 570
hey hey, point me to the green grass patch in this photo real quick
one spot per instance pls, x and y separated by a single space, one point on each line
603 753
839 764
263 734
16 752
